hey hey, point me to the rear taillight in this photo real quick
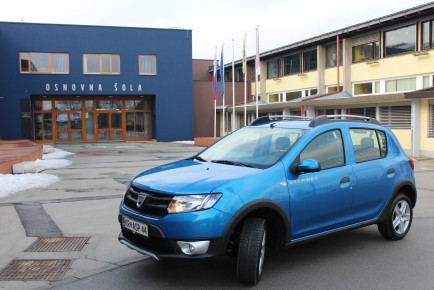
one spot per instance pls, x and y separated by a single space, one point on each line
411 162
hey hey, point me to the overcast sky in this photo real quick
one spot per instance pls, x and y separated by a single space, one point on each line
280 22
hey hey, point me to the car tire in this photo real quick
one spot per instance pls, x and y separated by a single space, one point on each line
398 220
251 251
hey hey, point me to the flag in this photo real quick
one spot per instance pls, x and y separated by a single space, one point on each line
244 55
214 76
257 64
222 75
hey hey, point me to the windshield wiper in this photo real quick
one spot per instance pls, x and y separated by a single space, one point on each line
199 158
229 162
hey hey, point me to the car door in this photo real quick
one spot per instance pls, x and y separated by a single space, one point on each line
374 173
321 201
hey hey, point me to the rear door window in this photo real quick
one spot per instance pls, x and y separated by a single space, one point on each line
368 144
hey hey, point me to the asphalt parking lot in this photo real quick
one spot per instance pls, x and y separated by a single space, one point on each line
84 204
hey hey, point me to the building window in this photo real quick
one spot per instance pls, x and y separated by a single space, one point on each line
44 63
427 35
309 60
427 81
292 64
293 95
431 119
366 112
400 40
327 112
103 64
408 84
147 64
310 92
273 98
273 69
363 88
331 55
333 89
366 51
396 117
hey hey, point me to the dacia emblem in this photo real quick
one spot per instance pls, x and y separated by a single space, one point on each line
140 200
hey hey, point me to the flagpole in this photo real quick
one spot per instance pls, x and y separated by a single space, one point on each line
214 94
258 71
233 88
215 118
222 89
245 80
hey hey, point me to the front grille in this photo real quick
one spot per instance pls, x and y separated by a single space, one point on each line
154 205
156 245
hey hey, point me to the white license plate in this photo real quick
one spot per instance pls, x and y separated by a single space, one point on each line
135 226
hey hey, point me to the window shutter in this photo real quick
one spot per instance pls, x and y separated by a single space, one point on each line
365 39
396 117
431 120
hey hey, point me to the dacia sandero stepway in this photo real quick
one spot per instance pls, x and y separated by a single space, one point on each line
280 181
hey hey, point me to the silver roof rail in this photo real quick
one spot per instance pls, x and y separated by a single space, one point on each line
330 118
277 118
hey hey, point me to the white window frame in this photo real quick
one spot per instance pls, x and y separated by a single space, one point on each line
148 69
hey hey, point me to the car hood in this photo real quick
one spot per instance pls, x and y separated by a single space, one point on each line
189 177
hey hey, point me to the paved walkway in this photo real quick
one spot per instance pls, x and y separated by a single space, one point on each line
84 206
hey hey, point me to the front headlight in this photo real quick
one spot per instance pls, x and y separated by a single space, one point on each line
187 203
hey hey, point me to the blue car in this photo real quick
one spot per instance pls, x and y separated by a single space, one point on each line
280 181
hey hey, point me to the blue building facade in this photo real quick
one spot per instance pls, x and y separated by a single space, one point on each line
67 83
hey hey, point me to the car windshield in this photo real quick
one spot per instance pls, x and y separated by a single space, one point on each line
252 147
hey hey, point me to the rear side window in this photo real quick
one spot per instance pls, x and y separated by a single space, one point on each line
327 149
368 144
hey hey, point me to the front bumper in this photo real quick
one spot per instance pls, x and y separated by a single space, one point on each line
165 235
168 249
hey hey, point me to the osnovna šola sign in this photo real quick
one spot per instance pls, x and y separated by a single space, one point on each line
116 87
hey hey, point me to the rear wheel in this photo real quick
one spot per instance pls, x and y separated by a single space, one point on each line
398 220
251 251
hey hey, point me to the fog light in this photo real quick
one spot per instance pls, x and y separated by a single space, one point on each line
193 248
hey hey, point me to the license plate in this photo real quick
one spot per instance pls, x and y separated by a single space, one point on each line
135 226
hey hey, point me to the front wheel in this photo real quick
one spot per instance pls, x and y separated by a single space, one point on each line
251 251
398 220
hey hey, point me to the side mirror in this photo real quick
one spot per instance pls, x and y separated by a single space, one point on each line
308 165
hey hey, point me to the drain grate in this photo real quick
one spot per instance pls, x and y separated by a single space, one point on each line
63 244
30 270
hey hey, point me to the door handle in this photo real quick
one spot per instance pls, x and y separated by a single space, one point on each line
346 179
345 182
391 173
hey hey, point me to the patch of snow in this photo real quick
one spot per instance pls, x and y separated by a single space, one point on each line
58 154
52 159
11 183
53 163
184 142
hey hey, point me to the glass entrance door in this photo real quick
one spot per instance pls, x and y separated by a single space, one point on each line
69 126
91 118
109 125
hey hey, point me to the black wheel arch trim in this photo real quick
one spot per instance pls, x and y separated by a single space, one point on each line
396 191
251 207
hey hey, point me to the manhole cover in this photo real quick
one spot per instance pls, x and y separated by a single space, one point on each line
63 244
29 270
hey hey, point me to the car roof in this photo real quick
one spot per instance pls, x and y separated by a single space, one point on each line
288 121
